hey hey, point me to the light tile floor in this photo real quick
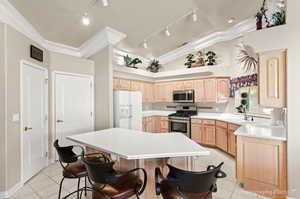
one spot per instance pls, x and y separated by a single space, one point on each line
45 185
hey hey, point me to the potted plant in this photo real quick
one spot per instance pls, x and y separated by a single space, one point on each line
278 18
154 66
189 61
211 58
129 62
259 16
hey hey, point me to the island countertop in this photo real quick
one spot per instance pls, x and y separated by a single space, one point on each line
134 145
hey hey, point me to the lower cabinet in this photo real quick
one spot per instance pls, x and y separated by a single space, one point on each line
209 133
221 138
262 166
156 124
231 148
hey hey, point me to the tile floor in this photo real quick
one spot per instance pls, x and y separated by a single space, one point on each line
46 184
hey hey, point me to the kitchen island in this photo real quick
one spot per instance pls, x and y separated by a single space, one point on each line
132 149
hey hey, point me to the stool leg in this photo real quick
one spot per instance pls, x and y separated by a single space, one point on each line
78 186
85 186
60 186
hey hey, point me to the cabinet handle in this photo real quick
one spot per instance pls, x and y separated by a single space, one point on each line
27 128
59 121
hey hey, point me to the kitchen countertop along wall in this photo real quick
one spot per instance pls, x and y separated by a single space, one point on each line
259 128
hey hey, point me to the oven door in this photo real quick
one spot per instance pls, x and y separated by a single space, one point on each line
183 96
180 126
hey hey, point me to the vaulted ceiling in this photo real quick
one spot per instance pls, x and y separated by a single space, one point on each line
60 20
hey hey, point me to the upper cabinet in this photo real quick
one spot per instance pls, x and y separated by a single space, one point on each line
209 90
272 79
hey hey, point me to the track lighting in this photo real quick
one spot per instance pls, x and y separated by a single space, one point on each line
105 3
145 44
167 32
85 19
195 17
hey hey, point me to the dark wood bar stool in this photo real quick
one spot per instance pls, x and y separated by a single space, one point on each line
181 184
73 167
110 184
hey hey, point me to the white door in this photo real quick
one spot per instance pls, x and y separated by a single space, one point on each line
74 102
34 95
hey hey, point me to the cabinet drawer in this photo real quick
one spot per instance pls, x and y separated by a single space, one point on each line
221 124
209 122
196 121
233 127
164 119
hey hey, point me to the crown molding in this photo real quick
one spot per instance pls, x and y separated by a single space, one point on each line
209 40
108 36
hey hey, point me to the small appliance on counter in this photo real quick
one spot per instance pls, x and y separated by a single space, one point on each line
128 110
181 120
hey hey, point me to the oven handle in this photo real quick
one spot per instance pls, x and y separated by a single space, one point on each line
179 121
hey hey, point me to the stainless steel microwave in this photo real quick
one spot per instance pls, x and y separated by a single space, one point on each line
186 96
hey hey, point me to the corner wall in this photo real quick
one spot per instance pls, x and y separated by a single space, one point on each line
2 112
103 89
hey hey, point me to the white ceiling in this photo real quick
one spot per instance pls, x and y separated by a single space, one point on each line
60 20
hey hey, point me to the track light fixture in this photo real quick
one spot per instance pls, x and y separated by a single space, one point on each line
195 17
167 32
85 19
145 44
105 3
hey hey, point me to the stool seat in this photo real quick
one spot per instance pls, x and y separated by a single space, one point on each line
169 192
124 188
75 170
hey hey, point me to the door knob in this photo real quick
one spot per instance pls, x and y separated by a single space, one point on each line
27 128
59 121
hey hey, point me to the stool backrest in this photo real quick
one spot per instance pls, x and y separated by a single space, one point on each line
195 182
100 172
66 154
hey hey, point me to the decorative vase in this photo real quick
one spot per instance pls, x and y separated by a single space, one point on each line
259 23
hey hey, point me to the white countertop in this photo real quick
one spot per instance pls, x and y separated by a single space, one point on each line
134 145
260 127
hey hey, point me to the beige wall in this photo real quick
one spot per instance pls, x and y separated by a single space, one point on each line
17 48
103 89
2 111
69 64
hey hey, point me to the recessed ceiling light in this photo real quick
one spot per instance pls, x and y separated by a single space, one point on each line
195 17
231 20
145 44
167 32
85 19
105 3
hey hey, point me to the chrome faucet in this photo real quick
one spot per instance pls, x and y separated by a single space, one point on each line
242 109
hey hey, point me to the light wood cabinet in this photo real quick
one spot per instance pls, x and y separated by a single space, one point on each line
232 139
272 79
199 90
116 84
164 125
222 135
149 124
188 85
147 92
125 84
155 124
136 86
209 132
222 90
210 90
261 166
197 131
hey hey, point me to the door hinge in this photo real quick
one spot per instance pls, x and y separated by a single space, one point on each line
46 154
46 81
91 114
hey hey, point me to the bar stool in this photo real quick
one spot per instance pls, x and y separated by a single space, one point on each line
110 184
181 184
73 167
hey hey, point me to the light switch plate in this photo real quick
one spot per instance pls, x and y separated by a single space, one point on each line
16 117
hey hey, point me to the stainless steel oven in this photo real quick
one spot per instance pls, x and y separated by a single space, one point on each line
180 125
186 96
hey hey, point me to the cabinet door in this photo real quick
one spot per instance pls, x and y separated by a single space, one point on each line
199 90
231 143
272 79
188 85
178 86
261 166
222 90
210 88
221 138
116 84
209 135
197 132
136 86
147 92
125 84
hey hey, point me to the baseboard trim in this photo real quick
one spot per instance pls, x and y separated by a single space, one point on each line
11 191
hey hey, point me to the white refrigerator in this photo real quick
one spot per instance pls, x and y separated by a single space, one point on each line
128 110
